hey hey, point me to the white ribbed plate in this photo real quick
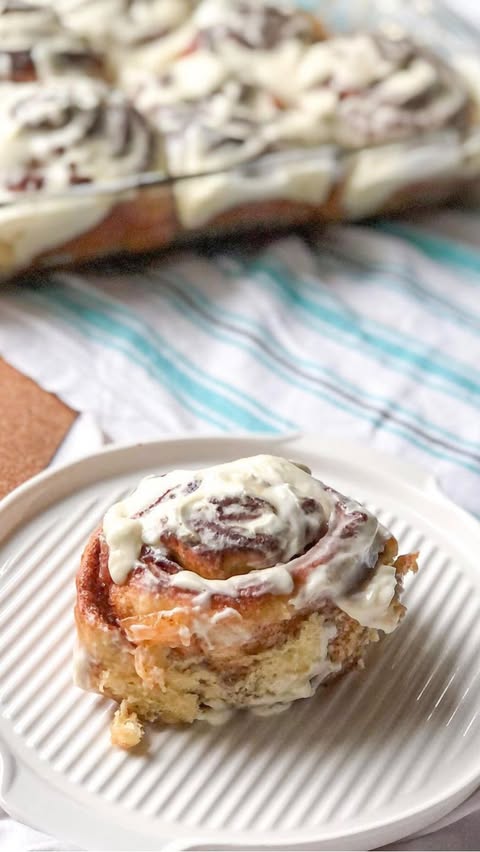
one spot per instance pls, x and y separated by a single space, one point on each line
380 755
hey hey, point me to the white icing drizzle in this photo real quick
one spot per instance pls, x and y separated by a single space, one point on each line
146 21
273 510
34 45
123 23
374 174
216 716
348 90
228 29
64 132
251 24
83 664
254 40
92 18
261 496
24 234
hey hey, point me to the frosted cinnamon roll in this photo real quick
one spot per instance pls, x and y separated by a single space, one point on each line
211 121
362 89
68 132
63 135
237 31
244 585
405 92
34 45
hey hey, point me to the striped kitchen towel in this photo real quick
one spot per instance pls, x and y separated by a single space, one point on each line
367 332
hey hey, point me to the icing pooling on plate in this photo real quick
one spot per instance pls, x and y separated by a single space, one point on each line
303 539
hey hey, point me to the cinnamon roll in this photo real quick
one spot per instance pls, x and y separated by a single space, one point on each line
34 45
406 92
61 136
241 586
212 122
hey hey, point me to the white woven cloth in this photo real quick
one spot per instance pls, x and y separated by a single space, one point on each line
370 333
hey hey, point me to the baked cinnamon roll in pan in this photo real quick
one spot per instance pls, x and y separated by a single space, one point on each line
241 586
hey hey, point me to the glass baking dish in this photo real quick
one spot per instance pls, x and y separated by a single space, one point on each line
318 184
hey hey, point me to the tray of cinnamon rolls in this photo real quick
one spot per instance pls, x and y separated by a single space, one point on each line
131 125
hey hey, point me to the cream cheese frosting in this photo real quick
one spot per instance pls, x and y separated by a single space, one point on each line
24 234
125 23
312 542
306 179
34 45
285 690
261 495
65 133
348 90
